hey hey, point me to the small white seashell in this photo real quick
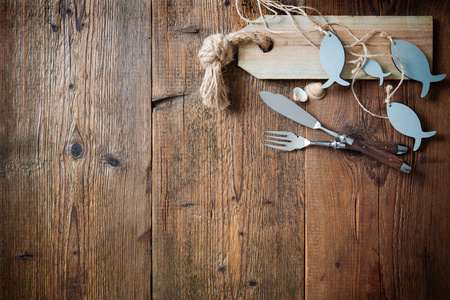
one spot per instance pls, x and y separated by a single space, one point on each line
300 95
315 91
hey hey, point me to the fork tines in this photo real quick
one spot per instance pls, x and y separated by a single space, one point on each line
281 140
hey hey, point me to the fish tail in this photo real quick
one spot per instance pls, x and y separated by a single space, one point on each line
428 134
337 80
436 78
418 140
426 84
342 81
382 77
425 88
328 83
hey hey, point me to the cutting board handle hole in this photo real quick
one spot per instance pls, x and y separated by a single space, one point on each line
267 48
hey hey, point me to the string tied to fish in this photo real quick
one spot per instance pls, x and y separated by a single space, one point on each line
219 50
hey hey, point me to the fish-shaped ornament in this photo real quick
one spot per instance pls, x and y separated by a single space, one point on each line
373 68
405 121
415 64
332 58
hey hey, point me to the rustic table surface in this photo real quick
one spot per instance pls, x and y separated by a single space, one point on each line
117 183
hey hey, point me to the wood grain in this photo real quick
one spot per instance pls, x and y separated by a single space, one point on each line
372 232
390 147
75 150
227 211
292 57
380 155
414 228
103 198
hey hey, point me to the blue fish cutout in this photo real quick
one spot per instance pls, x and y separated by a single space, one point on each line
415 64
373 68
405 121
332 58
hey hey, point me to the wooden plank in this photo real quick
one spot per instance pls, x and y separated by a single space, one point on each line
75 150
414 240
176 29
372 232
293 58
342 205
227 212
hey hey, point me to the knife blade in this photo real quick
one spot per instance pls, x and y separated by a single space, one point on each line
289 109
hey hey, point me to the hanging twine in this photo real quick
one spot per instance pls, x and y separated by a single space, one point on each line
360 63
217 52
389 94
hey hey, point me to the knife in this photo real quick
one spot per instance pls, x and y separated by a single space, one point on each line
290 110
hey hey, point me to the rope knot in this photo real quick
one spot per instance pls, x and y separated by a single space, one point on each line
387 36
389 94
322 29
216 49
358 62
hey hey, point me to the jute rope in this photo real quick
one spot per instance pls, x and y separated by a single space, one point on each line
218 50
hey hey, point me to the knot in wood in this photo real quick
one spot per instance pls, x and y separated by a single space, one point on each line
76 150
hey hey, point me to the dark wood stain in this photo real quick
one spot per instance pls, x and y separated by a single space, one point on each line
74 277
25 256
79 13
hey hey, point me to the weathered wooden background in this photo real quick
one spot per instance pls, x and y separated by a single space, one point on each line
116 183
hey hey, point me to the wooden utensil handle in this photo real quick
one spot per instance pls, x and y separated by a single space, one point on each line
382 156
390 147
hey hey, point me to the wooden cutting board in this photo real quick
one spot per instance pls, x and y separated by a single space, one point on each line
293 58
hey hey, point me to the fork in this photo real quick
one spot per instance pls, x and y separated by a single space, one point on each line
288 141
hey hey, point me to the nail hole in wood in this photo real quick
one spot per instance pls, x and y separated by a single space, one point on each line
54 27
113 161
190 30
252 283
71 86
